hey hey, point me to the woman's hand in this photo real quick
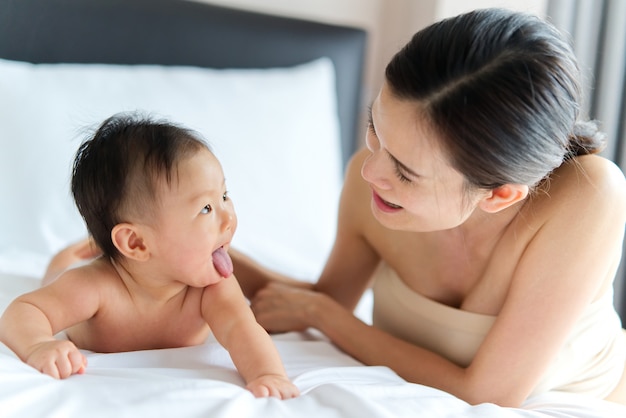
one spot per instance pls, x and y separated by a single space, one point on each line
280 307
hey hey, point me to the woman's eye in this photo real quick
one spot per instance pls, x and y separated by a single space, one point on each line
207 209
370 127
402 177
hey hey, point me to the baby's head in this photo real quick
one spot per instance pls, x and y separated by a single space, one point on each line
118 171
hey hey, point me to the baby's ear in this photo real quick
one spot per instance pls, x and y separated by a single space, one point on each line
502 197
129 241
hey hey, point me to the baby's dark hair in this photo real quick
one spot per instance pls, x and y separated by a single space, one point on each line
501 90
116 171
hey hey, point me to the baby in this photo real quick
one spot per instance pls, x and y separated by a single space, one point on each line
153 197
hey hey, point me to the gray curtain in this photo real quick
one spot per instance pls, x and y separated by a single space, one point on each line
598 32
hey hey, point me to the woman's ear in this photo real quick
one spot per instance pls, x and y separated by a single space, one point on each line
502 197
129 241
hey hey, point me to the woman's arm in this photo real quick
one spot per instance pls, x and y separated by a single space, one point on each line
351 262
253 276
346 275
570 262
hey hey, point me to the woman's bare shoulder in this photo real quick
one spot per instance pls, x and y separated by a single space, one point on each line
591 180
353 169
355 188
600 171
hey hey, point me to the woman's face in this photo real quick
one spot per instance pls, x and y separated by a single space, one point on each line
414 188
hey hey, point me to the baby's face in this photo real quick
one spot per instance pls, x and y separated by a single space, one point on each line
195 223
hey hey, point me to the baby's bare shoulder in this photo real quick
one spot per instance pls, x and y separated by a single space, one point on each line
96 279
98 271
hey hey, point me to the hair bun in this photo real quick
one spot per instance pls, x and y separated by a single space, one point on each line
586 138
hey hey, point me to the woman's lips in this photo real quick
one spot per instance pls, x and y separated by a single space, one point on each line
383 205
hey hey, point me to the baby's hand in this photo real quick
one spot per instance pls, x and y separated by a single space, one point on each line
276 386
58 358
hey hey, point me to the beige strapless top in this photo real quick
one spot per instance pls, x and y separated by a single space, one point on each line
591 361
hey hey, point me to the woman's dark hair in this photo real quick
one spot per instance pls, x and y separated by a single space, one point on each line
116 172
501 89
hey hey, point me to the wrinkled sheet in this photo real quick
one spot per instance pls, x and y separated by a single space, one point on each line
201 381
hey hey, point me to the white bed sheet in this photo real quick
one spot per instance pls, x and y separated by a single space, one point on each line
201 381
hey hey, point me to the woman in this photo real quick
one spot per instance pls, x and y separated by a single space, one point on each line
488 229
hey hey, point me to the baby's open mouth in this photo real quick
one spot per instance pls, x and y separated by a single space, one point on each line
222 262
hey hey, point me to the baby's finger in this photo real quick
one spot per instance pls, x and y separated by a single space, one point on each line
78 362
51 370
259 391
290 392
274 392
64 366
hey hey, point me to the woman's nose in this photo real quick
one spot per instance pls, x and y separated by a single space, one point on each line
373 169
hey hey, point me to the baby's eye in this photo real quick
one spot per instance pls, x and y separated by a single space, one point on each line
225 196
207 209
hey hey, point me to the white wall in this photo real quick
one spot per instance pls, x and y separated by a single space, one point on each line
389 23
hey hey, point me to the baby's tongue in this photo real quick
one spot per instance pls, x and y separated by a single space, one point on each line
222 262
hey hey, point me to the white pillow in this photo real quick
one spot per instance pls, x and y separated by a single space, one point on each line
274 130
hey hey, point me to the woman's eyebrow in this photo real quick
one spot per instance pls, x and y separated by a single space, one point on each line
401 165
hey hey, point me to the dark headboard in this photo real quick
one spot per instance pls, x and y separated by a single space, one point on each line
181 32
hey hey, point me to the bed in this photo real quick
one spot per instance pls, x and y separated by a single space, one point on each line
279 101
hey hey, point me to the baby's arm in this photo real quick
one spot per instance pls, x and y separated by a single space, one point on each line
30 322
251 348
